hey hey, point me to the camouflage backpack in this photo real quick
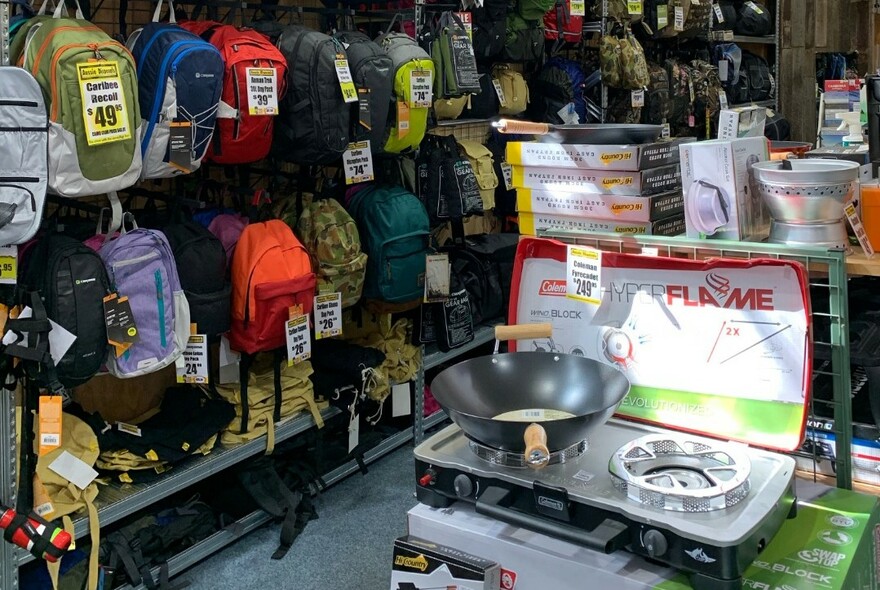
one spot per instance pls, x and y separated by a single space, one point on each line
656 109
609 60
633 66
331 236
620 109
707 104
682 94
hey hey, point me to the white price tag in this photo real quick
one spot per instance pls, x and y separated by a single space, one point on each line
719 16
638 98
755 7
723 67
499 91
577 7
678 23
583 272
299 344
354 432
104 110
507 172
650 251
722 99
859 229
8 265
568 115
421 93
691 89
262 86
665 131
328 315
358 162
346 84
401 403
195 361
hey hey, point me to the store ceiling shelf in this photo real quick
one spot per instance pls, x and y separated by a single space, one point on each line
766 40
435 358
117 501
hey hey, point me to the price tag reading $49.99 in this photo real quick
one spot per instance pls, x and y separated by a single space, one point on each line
328 315
583 271
421 89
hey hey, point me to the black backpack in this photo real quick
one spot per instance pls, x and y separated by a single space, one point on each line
757 72
447 184
754 19
72 281
313 125
485 104
656 109
777 128
489 29
201 265
728 13
372 70
496 252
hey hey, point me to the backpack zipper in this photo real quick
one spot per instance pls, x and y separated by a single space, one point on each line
45 45
28 191
53 85
149 46
161 302
18 103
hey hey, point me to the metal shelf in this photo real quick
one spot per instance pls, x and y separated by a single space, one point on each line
435 419
383 448
757 103
766 40
433 357
118 501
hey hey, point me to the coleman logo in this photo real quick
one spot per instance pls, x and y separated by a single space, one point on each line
553 287
699 555
624 181
550 503
619 208
416 563
616 157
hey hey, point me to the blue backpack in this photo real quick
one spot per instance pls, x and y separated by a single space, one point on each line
395 234
560 82
180 77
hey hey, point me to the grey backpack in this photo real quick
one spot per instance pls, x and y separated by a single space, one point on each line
24 151
313 126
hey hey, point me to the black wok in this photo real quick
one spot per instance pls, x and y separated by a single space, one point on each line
476 391
590 134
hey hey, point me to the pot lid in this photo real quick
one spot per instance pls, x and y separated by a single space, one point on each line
809 171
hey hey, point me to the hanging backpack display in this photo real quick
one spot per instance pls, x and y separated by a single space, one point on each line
762 86
314 124
707 102
72 282
489 29
179 81
681 98
448 186
736 84
371 70
94 117
656 109
457 74
255 83
524 41
24 149
485 104
394 231
480 158
559 85
228 227
413 72
533 9
561 25
753 19
141 267
513 88
201 266
271 273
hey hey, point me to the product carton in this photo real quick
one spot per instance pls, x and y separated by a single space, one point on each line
595 206
829 545
596 157
606 182
418 564
720 200
532 223
742 122
821 445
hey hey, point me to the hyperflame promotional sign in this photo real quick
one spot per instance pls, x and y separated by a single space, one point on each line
720 347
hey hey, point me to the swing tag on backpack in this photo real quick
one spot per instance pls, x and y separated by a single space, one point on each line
346 84
8 265
104 111
420 89
299 344
50 416
578 7
328 315
357 162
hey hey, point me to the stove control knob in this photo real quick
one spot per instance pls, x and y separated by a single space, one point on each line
464 487
655 543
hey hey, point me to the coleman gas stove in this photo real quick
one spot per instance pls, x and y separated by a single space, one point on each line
705 507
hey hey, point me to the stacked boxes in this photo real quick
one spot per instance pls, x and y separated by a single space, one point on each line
628 189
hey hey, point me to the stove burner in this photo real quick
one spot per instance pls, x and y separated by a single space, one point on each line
511 459
681 474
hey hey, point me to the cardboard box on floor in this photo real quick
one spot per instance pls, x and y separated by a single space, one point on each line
829 546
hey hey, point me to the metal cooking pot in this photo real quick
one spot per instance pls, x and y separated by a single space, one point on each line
806 191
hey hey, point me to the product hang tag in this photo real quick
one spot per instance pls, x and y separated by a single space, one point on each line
568 115
104 110
328 315
691 120
299 341
691 90
357 162
755 7
262 85
634 7
678 23
402 119
723 67
365 119
73 469
354 432
50 417
401 402
436 277
42 502
195 361
467 21
722 99
421 94
853 217
662 16
507 173
638 98
180 145
8 265
577 7
665 131
583 272
346 84
129 429
502 100
121 329
719 16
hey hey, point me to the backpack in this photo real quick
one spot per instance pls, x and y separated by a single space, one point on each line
201 266
496 252
447 184
633 66
754 19
524 40
707 103
394 230
736 84
514 89
371 69
761 83
408 60
228 227
728 16
72 282
482 164
246 118
141 266
533 9
656 109
484 104
331 235
314 123
489 29
681 95
24 150
271 272
179 81
454 61
561 25
559 83
90 156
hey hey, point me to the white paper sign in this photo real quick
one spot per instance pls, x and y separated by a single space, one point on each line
719 16
678 24
262 91
723 67
722 99
421 89
229 360
502 100
195 361
104 110
401 402
583 272
638 98
859 229
328 315
73 469
299 344
507 172
357 162
60 340
346 84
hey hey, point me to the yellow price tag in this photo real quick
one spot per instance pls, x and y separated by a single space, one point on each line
346 84
578 7
8 265
634 6
104 110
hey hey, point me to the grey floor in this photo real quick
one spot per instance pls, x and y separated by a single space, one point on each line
348 547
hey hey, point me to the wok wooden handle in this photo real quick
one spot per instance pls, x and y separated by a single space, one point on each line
521 127
537 452
524 331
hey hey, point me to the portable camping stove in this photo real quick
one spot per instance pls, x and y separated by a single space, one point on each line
702 506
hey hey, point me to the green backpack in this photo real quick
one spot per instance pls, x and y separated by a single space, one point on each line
89 83
534 9
331 236
395 232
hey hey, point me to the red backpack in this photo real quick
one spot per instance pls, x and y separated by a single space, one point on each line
560 24
247 105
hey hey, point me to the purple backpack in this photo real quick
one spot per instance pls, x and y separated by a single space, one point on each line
141 267
228 227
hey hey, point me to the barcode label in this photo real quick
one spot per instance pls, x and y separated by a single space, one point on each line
533 413
44 509
50 440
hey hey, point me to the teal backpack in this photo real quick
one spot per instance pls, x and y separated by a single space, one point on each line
395 235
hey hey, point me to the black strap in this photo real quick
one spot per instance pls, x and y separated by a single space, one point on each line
244 369
279 358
